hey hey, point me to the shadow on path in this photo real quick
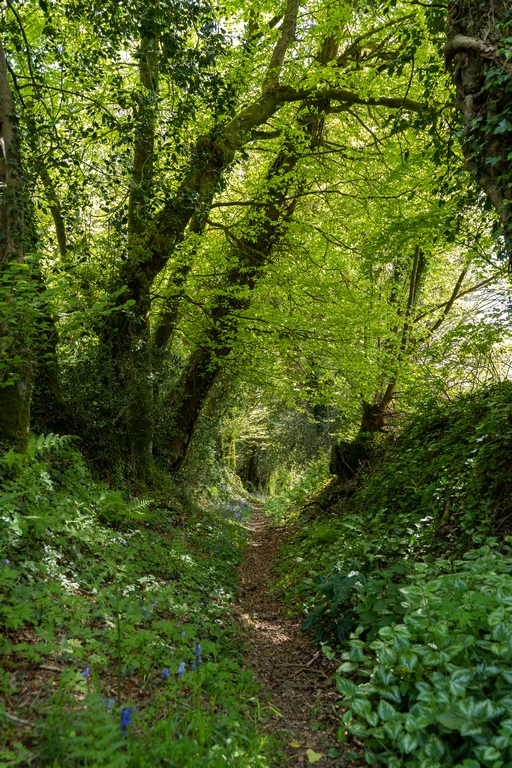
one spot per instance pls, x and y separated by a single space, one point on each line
286 662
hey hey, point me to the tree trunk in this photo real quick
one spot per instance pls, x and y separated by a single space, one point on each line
15 325
478 36
125 357
378 415
250 256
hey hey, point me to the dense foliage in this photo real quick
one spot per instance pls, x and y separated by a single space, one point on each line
381 572
110 606
211 197
239 247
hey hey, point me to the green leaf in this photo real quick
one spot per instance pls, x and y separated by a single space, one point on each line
386 711
451 720
407 743
434 747
361 707
347 687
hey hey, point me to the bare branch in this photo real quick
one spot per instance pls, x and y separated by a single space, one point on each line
452 299
288 28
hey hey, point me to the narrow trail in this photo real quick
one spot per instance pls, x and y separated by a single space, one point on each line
285 660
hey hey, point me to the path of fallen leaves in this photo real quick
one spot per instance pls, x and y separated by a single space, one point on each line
286 662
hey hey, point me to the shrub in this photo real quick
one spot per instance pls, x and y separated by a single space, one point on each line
440 683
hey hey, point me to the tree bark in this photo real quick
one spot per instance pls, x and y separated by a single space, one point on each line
15 355
477 42
250 256
139 415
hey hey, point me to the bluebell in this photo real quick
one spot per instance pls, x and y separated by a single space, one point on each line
126 719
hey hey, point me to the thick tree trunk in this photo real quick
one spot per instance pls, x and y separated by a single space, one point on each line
140 417
250 256
477 50
15 357
124 356
379 414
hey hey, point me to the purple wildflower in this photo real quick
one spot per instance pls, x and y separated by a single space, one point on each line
197 653
155 603
110 704
181 669
165 673
183 634
145 612
126 719
85 673
7 562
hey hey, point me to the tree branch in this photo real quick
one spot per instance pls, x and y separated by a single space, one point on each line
458 296
461 43
288 28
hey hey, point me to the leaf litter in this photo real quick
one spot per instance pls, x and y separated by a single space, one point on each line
302 710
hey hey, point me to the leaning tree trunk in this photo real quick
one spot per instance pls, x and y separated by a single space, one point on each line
15 322
477 50
250 256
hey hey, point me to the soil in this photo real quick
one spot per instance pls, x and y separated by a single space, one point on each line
303 710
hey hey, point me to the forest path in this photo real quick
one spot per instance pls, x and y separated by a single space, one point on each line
286 662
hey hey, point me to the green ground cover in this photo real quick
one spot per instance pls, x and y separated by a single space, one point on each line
130 599
404 573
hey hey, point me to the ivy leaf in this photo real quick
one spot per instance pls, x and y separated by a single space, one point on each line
503 127
313 757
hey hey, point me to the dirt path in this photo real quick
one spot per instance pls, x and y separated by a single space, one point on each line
286 661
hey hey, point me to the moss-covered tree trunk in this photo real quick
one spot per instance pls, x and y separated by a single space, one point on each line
250 255
15 357
477 52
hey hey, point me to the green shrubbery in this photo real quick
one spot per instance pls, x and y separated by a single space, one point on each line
383 571
439 690
116 593
299 486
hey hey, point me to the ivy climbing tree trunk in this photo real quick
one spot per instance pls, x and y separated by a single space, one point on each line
477 51
125 357
249 257
139 359
15 357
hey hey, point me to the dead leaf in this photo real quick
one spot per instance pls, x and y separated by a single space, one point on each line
294 744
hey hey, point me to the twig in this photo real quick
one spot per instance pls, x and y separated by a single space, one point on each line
50 668
300 667
308 665
312 504
18 720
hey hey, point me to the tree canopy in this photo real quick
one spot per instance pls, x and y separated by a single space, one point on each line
202 196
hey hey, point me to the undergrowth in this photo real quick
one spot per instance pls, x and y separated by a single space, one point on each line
117 647
405 571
